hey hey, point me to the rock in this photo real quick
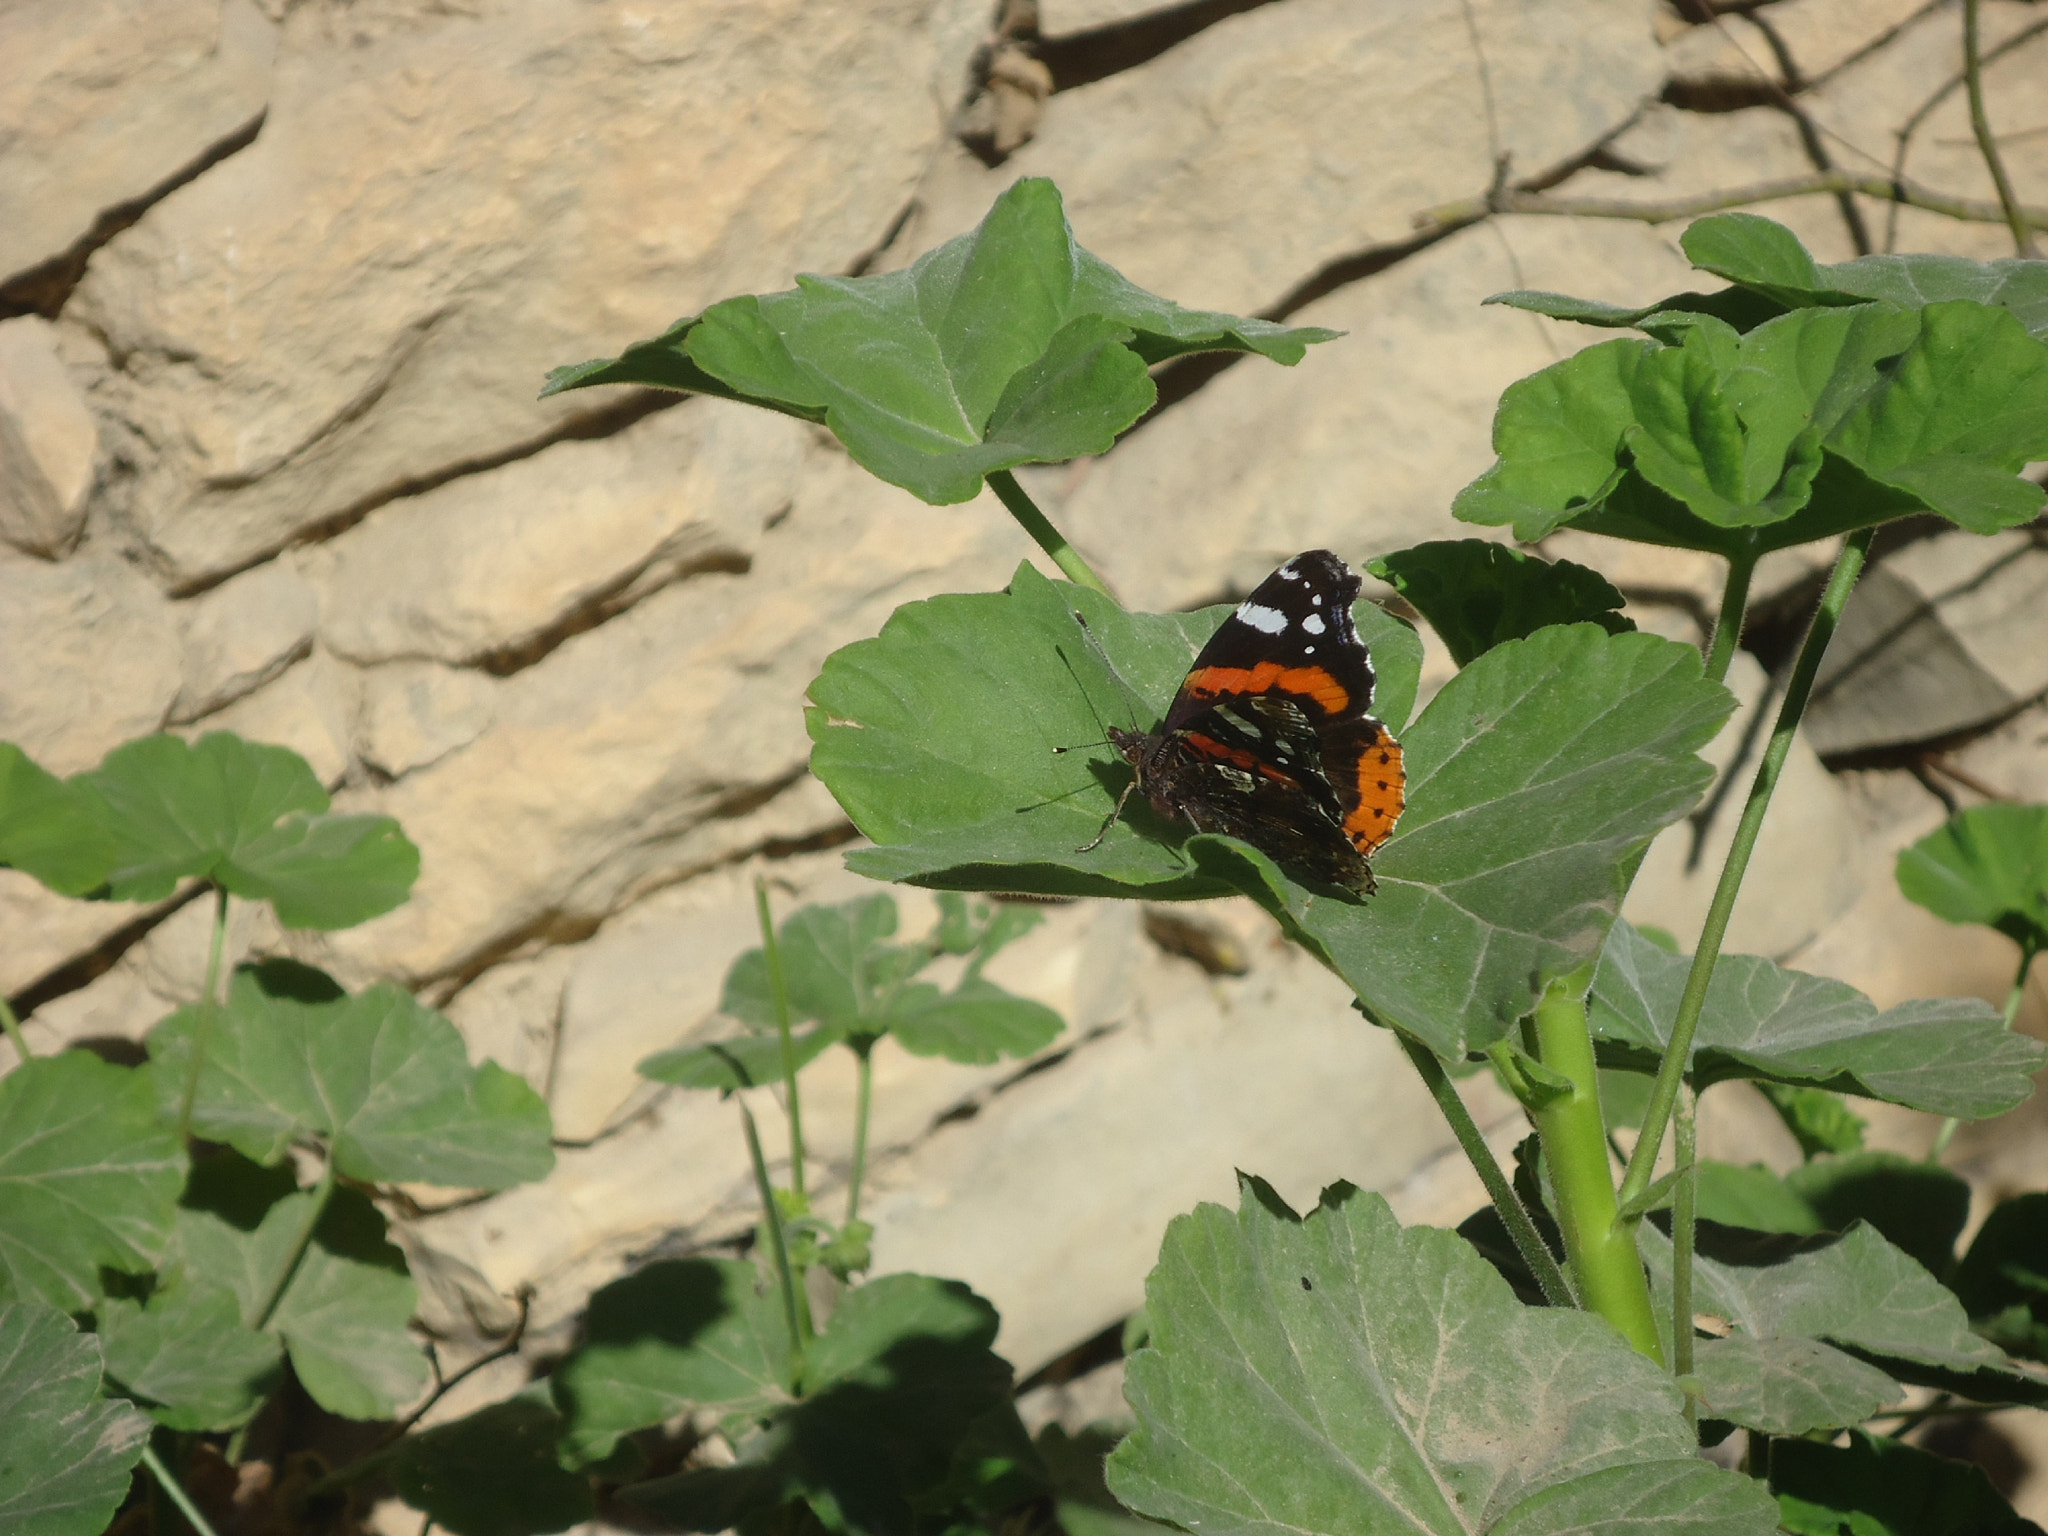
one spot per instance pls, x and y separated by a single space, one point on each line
511 560
92 658
47 441
310 708
417 712
1824 35
1808 868
523 187
1940 637
1362 445
45 930
242 634
511 1014
1229 169
107 100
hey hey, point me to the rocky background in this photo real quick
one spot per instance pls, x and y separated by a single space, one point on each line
278 283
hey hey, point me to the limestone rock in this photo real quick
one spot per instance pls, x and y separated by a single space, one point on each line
416 712
45 930
1808 868
512 1012
513 558
1361 446
523 186
92 658
47 441
106 100
1230 168
242 634
1941 636
311 708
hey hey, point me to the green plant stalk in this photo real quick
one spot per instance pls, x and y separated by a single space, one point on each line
175 1491
863 1094
322 1193
796 1309
209 1005
1513 1214
1728 624
1987 142
772 952
1043 534
12 1026
1599 1244
1678 1054
1684 1223
2013 999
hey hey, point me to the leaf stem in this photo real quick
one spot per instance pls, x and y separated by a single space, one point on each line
796 1311
1513 1214
1047 537
779 986
1728 624
209 1005
175 1491
322 1193
1678 1054
1599 1244
1684 1229
2028 950
12 1026
863 1093
1987 142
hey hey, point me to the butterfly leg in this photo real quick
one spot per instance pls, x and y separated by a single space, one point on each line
1116 814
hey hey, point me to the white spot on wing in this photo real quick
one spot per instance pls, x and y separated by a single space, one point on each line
1313 623
1267 621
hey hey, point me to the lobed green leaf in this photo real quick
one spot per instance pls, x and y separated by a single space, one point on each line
1987 865
65 1451
1476 594
1880 1486
186 1355
493 1472
48 830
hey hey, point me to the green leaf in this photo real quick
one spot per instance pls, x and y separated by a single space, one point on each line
1476 594
1756 252
187 1357
1340 1374
65 1451
494 1472
2003 1279
1009 345
383 1079
1082 1499
890 1390
1987 865
745 1061
88 1177
1559 435
1946 1056
676 1335
1818 1120
1877 1486
1739 307
1918 1206
342 1318
976 1023
252 818
830 955
1533 779
1753 1197
48 830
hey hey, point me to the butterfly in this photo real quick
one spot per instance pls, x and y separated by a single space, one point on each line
1270 738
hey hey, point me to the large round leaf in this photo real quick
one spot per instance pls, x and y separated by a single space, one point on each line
65 1451
1987 865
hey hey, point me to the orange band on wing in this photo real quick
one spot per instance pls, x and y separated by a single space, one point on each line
1310 682
1382 791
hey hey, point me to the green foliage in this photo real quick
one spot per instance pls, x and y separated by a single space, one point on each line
1818 1120
1009 345
1988 865
48 829
2003 1279
1876 1486
1534 779
1737 430
1337 1373
88 1178
383 1080
185 1355
1949 1056
493 1473
65 1451
1476 594
1918 1207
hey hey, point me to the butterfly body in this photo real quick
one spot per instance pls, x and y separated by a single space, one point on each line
1270 738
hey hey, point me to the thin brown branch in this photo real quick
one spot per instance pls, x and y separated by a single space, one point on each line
1926 108
1821 183
1987 144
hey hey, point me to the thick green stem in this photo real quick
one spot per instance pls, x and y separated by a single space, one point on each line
322 1192
1987 142
209 1005
1043 534
863 1093
1513 1215
1684 1225
796 1308
1599 1244
1678 1054
12 1026
1728 624
779 987
175 1491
